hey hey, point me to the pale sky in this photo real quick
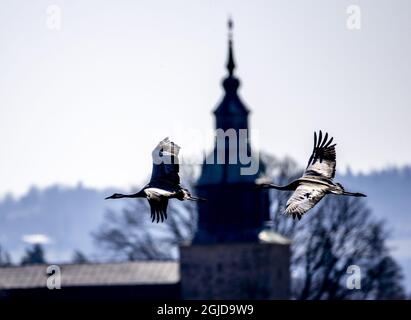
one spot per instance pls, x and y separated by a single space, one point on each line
89 102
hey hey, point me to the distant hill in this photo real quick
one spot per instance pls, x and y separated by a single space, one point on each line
68 215
388 192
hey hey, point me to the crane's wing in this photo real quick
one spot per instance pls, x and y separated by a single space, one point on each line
305 197
323 159
165 164
158 206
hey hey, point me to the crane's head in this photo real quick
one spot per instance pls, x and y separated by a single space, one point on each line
115 196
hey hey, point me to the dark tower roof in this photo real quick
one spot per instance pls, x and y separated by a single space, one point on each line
231 103
231 113
230 61
235 210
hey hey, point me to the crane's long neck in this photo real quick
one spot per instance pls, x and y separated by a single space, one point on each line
289 187
134 195
285 188
140 194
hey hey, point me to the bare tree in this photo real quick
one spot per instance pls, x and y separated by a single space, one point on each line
339 234
79 257
5 260
34 255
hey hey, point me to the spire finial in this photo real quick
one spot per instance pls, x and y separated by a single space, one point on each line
230 62
230 28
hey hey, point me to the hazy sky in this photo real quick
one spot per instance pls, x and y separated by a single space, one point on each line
89 102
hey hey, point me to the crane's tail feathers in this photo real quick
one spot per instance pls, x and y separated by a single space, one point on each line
353 194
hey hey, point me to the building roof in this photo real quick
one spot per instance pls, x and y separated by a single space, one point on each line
231 105
231 113
127 273
270 236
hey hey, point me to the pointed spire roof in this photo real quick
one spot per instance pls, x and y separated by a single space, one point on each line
231 103
230 60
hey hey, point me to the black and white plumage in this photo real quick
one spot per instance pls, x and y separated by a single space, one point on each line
316 181
164 183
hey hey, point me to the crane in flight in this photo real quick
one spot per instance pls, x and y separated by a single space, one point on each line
164 183
317 180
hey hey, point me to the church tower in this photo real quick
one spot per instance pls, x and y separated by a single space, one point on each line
235 210
231 256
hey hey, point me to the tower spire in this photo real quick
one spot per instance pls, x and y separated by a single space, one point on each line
221 181
230 61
